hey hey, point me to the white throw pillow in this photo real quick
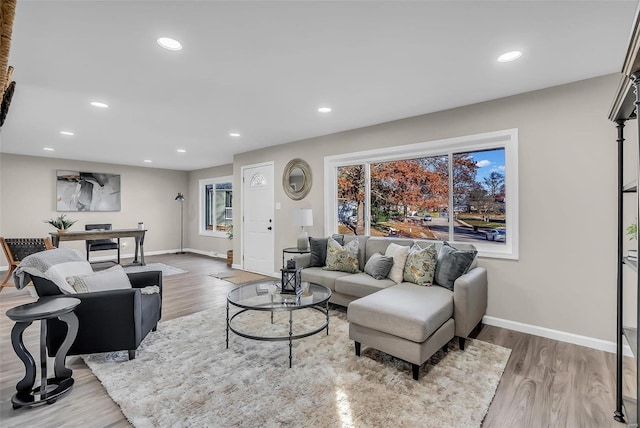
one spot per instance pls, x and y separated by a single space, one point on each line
59 272
113 278
399 254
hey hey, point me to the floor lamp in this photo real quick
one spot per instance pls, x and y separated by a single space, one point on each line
180 198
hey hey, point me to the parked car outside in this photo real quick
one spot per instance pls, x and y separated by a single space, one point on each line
427 217
498 235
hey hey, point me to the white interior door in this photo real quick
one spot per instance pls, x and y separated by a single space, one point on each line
258 227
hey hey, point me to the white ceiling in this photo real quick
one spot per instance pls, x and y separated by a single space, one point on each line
262 69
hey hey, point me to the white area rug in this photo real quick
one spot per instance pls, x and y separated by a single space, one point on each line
184 377
166 269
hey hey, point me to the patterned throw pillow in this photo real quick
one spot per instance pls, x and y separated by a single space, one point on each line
452 263
343 259
399 254
421 265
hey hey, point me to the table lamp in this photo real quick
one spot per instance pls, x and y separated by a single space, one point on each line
303 217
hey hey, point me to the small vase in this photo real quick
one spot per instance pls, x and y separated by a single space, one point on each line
62 231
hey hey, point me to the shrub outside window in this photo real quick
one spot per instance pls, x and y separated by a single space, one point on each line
216 206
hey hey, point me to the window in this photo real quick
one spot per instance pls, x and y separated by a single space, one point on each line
462 189
216 206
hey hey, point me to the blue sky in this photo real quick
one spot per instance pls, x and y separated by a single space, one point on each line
488 161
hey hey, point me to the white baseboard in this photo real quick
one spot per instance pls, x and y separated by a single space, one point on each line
562 336
214 254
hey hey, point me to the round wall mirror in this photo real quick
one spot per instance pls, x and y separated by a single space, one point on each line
296 179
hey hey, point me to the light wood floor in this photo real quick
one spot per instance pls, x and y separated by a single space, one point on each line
546 383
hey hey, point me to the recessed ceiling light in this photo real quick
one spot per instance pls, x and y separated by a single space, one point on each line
147 161
99 104
324 110
181 150
509 56
67 133
49 149
234 134
169 44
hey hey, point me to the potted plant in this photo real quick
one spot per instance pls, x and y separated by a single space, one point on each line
61 223
230 252
632 233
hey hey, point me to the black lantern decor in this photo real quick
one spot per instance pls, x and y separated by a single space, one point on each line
290 280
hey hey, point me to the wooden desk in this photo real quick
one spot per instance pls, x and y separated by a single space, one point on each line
84 235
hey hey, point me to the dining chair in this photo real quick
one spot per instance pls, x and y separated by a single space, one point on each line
101 244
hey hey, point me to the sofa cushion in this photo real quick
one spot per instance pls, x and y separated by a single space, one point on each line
319 249
452 263
342 258
323 277
399 254
405 310
421 265
361 284
378 266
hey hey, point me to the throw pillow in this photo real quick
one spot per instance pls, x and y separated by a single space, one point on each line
344 259
421 265
113 278
378 266
319 250
452 263
399 254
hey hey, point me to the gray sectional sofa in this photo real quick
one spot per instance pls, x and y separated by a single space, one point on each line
406 320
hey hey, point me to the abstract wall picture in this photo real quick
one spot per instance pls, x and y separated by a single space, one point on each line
87 191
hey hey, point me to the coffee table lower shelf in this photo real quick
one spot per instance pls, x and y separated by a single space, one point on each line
249 300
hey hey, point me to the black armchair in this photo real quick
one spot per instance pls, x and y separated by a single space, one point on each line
109 321
101 244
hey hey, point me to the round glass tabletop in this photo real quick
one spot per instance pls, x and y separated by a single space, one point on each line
265 296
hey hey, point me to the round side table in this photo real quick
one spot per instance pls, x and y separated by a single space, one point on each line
24 315
293 250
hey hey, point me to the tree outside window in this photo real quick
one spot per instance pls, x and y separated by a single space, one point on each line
411 197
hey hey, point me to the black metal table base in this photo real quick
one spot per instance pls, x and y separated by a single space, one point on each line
290 337
50 389
55 388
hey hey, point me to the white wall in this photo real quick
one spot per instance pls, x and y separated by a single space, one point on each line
565 277
28 188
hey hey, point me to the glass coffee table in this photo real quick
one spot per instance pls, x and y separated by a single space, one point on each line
257 297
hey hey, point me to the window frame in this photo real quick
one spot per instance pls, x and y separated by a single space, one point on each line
507 139
203 183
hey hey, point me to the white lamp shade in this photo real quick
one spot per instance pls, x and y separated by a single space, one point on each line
303 217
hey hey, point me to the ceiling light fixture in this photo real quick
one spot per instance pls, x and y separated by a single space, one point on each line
509 56
324 110
99 104
147 160
169 44
234 134
67 133
49 149
181 150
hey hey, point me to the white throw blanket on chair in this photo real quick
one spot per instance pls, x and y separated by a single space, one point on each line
55 265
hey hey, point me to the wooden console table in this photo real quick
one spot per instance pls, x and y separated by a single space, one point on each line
84 235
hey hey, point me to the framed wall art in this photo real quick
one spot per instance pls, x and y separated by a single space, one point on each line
87 191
